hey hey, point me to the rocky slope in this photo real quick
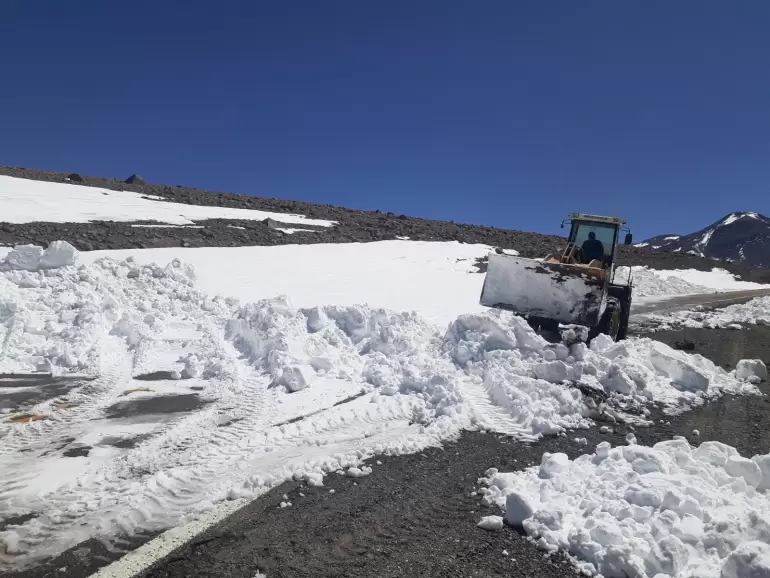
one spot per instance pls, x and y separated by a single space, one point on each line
743 238
353 226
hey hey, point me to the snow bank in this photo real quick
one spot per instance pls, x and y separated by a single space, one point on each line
667 510
716 279
279 392
661 283
754 312
649 283
24 200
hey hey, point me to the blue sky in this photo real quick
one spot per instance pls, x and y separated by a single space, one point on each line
507 113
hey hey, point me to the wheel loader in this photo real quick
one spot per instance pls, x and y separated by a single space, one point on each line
575 287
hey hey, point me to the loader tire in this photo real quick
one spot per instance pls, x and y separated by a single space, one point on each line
611 320
625 314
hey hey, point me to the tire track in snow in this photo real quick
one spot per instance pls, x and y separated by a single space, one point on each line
84 403
488 415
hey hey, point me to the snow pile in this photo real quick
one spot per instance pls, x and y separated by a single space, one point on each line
667 510
662 283
268 392
24 201
754 312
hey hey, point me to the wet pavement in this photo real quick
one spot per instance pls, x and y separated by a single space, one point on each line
21 391
159 404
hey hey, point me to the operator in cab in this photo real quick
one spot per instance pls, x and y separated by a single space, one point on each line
592 248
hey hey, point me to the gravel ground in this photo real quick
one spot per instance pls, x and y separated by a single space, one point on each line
415 516
354 226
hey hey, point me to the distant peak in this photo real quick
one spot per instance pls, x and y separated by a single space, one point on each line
732 217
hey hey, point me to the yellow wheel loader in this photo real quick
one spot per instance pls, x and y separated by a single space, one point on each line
576 287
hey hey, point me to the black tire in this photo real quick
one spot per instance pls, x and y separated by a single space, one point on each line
611 320
625 314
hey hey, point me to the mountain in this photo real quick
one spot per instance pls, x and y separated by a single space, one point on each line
742 238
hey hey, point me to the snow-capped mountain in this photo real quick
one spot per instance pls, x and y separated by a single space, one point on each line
738 237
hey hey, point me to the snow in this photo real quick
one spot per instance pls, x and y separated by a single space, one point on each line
753 312
663 283
170 226
33 258
731 219
24 201
435 279
717 279
706 238
751 368
291 231
670 509
337 373
671 238
491 523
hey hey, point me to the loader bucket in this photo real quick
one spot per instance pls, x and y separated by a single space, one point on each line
562 292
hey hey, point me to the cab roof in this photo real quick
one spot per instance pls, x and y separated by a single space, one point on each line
597 218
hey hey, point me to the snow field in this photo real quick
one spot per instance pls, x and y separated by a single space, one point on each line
27 201
670 510
268 391
432 278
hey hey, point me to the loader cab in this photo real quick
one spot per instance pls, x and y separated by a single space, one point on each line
604 229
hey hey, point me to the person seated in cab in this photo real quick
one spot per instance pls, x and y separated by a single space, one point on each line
592 249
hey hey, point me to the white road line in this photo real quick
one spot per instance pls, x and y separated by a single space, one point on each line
155 550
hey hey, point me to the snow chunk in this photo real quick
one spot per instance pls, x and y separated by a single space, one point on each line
58 254
673 364
24 257
553 464
491 523
749 560
34 258
297 377
615 380
601 343
740 467
517 508
358 472
748 368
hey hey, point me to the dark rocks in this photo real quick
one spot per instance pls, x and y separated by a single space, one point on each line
135 180
75 178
